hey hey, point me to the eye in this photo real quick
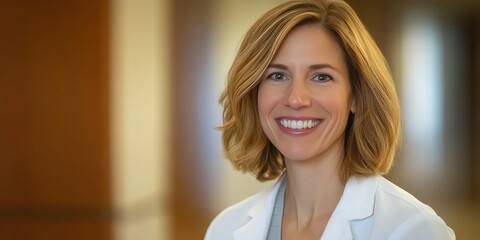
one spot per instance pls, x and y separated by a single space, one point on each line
322 78
276 76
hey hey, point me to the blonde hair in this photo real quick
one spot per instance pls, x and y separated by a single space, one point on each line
372 135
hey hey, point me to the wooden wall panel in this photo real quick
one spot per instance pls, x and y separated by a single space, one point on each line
54 147
191 38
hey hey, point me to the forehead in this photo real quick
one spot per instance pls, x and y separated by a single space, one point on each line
310 44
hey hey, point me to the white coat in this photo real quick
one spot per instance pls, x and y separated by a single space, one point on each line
370 208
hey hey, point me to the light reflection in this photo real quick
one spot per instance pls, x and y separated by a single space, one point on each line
422 93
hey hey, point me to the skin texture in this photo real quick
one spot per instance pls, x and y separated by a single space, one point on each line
308 80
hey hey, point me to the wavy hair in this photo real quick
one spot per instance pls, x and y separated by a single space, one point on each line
373 133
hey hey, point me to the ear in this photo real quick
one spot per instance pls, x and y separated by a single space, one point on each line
353 107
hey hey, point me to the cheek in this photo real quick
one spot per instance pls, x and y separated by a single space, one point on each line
337 104
266 100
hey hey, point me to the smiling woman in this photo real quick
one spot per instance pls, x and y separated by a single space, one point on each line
309 99
311 86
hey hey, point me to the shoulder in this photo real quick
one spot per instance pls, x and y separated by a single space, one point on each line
399 215
423 226
390 195
232 218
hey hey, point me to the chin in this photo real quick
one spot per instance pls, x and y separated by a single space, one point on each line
297 156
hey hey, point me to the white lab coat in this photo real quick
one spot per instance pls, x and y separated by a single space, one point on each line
370 208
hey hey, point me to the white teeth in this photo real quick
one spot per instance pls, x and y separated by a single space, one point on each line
299 124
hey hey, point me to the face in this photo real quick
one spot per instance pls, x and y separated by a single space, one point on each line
304 98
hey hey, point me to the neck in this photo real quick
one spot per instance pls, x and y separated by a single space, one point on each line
314 187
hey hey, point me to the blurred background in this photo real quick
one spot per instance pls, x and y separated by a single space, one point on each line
108 109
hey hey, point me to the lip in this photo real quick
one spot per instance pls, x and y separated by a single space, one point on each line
297 132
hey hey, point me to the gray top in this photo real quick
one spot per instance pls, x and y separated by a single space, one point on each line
275 229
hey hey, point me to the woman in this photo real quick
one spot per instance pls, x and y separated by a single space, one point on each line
310 99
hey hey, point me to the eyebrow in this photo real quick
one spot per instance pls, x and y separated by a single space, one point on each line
311 67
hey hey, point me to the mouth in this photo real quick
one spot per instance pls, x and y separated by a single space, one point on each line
298 124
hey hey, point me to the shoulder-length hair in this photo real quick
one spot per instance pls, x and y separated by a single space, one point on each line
372 135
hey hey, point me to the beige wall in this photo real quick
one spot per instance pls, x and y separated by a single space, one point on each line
139 126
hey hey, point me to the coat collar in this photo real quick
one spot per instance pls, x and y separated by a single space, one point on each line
356 203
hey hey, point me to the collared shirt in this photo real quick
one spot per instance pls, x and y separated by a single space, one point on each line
370 208
275 228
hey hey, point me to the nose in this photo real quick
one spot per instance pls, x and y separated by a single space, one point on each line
298 96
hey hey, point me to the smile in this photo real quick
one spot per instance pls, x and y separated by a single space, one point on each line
299 124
